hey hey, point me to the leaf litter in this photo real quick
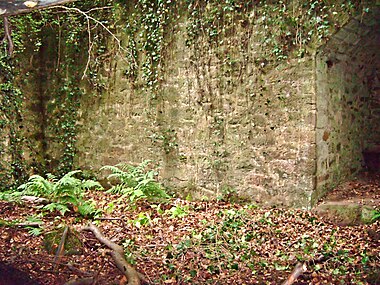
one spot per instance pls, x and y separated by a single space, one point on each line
183 242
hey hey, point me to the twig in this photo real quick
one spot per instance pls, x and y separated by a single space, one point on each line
70 266
34 199
90 44
301 268
108 219
60 248
88 17
30 224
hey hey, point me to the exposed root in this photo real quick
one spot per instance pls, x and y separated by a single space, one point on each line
117 253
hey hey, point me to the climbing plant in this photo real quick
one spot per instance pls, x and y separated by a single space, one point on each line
11 162
57 55
284 27
147 28
82 51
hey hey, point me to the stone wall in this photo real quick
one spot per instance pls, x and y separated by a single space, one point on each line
215 126
347 101
227 115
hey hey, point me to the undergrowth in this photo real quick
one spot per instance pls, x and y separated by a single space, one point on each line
136 182
62 195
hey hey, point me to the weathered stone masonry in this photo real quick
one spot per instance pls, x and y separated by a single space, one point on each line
282 137
278 134
348 117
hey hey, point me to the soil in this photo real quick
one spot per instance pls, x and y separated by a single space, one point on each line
365 187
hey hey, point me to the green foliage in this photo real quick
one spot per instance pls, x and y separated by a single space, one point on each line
285 27
63 194
129 248
143 219
375 215
167 139
178 211
135 182
147 29
58 46
228 194
34 231
12 164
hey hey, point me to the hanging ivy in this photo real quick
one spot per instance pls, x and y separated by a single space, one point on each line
58 44
12 165
147 28
287 28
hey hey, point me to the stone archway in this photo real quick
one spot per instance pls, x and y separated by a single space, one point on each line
348 100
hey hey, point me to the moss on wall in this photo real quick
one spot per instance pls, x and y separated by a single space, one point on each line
219 93
224 98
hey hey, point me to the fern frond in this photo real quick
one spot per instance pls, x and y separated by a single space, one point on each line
87 209
91 184
71 173
37 185
57 207
34 231
124 167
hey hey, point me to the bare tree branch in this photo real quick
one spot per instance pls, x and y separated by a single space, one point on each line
15 7
8 35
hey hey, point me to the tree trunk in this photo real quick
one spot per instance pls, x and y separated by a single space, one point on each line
14 7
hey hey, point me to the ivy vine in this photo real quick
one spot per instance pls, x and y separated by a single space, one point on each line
58 46
12 165
287 28
147 28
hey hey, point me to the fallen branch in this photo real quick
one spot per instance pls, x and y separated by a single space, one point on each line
61 248
34 200
108 219
15 7
301 268
297 271
117 253
30 224
22 224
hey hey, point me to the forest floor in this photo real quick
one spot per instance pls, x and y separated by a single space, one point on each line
213 242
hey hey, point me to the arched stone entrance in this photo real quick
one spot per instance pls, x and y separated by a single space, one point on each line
348 100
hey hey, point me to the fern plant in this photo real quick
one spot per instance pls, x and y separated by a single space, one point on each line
63 194
136 182
375 215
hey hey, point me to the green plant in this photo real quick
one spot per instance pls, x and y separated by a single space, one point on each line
32 224
375 215
136 182
147 28
178 211
12 163
143 219
129 247
34 231
63 194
